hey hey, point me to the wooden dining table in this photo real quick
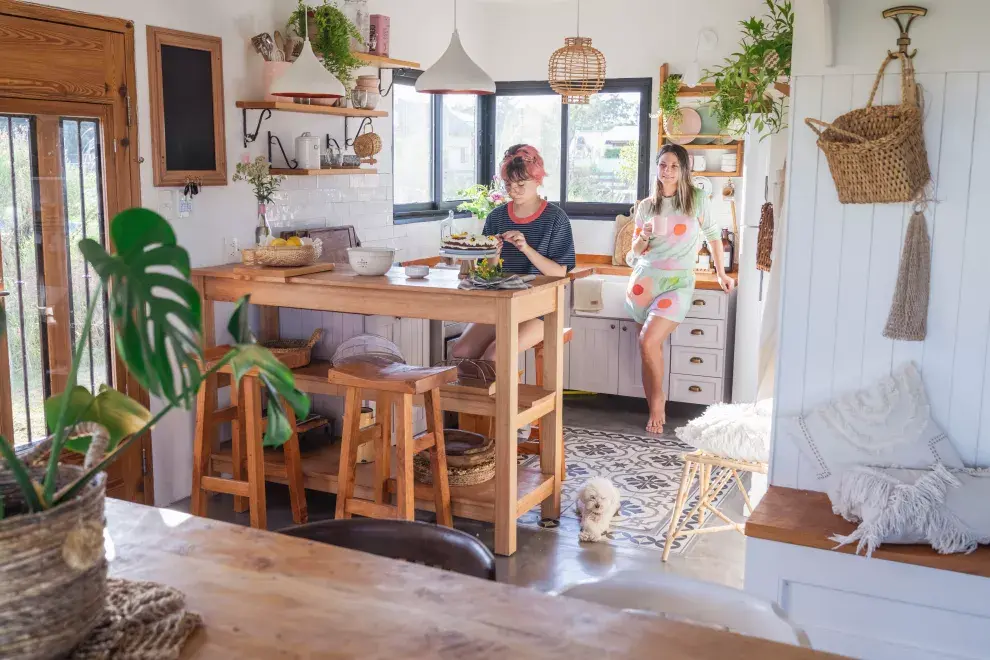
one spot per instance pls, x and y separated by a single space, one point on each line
266 595
438 297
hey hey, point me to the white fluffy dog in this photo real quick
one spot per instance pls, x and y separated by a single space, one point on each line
597 505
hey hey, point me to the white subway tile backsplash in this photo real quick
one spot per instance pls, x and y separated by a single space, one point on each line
365 194
348 194
376 233
335 182
307 182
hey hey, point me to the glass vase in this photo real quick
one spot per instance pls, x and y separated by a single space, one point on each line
263 231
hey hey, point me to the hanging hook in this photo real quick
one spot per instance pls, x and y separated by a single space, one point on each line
766 189
897 13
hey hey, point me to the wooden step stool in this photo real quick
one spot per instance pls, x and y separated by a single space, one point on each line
247 452
396 384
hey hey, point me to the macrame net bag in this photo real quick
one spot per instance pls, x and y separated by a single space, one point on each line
764 243
577 71
908 318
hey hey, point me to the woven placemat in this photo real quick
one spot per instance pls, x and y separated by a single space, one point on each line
141 620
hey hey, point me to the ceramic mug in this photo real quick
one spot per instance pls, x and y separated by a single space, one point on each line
699 163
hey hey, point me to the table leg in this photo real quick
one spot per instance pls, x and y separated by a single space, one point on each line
209 322
269 323
255 453
552 425
506 424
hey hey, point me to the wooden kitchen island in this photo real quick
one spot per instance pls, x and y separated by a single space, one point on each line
516 490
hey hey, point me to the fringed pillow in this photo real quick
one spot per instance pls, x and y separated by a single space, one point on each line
944 508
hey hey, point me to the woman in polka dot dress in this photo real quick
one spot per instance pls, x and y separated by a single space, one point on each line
669 227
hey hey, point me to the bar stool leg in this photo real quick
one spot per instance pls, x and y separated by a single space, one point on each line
383 448
238 446
293 469
255 453
706 478
438 459
687 476
405 483
206 401
348 451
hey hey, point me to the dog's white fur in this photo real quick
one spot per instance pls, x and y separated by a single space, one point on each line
597 504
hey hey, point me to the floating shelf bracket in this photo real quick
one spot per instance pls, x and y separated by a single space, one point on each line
395 72
897 13
273 139
348 140
251 137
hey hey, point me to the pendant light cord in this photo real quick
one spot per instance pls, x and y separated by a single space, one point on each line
579 18
455 15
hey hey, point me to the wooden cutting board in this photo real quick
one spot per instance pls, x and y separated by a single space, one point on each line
278 274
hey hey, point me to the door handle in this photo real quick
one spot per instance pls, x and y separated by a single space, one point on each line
4 293
697 332
697 360
49 314
694 388
699 303
613 326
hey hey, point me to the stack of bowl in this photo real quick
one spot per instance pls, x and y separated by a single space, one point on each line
365 94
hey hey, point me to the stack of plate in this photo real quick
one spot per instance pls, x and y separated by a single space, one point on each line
729 162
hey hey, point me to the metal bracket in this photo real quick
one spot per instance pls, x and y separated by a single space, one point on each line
273 139
251 137
897 13
388 90
349 141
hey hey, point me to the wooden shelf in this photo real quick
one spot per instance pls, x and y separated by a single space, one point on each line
712 147
384 62
285 106
719 174
323 172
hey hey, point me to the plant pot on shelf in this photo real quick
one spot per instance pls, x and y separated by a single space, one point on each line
52 569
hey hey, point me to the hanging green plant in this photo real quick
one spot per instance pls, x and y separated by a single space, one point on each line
331 38
668 102
764 59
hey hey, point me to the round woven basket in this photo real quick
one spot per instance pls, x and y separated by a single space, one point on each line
52 570
294 353
470 459
286 256
367 145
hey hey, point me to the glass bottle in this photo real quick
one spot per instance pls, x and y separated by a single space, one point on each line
262 232
704 258
728 258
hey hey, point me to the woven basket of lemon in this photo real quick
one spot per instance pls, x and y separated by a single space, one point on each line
289 252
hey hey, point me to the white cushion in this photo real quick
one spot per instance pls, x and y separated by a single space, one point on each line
888 424
734 430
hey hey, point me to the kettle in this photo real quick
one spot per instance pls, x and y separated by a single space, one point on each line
308 151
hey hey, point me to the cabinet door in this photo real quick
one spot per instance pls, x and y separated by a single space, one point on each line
631 362
594 355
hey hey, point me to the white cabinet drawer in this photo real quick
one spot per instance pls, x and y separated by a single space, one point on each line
708 305
696 361
700 334
695 389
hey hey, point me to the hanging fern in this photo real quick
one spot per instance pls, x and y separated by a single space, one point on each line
331 39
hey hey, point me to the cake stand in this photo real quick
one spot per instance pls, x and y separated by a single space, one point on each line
467 258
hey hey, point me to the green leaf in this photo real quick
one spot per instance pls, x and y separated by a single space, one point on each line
155 310
29 489
117 412
238 325
277 380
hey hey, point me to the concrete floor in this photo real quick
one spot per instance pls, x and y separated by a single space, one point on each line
548 560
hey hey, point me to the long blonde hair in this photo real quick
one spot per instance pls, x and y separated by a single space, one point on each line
684 201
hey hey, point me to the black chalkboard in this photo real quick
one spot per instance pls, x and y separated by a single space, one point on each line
187 99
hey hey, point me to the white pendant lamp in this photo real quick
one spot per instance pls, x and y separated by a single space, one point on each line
307 77
455 72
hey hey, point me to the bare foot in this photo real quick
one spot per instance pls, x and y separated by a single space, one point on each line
655 425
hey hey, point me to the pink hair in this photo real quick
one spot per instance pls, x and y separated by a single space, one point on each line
522 163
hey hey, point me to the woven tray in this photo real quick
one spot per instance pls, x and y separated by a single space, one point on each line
288 255
294 353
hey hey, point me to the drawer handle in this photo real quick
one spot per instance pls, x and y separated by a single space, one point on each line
699 303
694 388
697 332
612 326
697 360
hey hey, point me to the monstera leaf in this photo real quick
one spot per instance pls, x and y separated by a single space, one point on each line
275 377
119 414
156 312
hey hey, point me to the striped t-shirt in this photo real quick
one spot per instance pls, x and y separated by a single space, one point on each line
548 231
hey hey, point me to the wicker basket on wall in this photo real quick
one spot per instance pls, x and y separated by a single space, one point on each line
877 154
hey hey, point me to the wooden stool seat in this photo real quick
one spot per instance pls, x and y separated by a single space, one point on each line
397 378
396 385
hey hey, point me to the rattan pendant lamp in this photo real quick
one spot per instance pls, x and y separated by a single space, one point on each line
307 78
455 72
577 71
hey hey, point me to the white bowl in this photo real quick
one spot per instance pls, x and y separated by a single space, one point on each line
370 261
417 272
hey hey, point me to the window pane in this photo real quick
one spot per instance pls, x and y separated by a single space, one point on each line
460 144
603 149
413 122
532 120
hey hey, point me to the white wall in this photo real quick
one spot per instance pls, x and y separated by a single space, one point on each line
841 261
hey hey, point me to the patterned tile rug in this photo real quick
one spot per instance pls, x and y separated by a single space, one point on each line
647 472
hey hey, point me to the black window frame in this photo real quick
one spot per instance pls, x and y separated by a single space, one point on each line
424 211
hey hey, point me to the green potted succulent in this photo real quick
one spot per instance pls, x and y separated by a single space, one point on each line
743 85
668 103
51 513
330 33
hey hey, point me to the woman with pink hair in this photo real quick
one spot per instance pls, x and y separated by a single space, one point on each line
534 239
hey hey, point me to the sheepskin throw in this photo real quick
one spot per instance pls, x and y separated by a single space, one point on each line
734 430
941 507
887 424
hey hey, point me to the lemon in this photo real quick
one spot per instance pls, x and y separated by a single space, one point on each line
294 241
279 242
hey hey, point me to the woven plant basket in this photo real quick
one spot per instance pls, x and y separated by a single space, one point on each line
52 570
294 353
456 476
877 154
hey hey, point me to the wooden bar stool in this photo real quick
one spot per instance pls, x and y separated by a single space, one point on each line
396 384
247 482
532 446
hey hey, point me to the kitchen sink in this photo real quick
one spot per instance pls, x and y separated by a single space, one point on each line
613 298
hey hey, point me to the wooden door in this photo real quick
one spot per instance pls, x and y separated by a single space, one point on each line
595 355
68 164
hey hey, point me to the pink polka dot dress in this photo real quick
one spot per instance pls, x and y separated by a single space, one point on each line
662 282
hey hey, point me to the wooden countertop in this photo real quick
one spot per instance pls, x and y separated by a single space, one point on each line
596 264
264 595
804 517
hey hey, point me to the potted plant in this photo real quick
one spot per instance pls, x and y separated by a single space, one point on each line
330 33
51 514
258 173
668 102
743 84
482 200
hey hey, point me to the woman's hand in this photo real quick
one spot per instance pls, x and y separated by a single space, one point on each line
647 232
726 282
516 238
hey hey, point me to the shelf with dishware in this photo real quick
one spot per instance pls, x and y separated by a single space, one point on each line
326 171
285 106
382 62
